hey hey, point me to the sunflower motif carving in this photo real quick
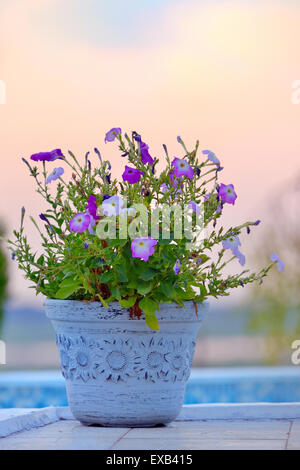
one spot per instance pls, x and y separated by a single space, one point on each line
150 359
190 352
117 359
155 358
178 359
63 345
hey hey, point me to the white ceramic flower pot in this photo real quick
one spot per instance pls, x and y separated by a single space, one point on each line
119 372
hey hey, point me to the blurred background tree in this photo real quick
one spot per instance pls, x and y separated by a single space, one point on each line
3 280
275 308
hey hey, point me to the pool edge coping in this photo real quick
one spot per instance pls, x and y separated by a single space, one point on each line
25 419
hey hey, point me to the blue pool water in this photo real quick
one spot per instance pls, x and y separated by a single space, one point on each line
226 385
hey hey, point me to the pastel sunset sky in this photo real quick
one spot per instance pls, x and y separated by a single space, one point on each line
221 71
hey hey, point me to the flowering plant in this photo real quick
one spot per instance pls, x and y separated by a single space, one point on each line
96 242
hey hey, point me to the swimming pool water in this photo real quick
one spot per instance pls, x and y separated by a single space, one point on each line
216 385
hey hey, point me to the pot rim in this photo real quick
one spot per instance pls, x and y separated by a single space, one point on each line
78 310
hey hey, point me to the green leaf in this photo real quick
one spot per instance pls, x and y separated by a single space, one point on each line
65 292
147 274
115 292
127 303
149 307
70 281
144 289
106 277
121 273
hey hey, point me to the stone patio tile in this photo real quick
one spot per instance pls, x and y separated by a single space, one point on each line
73 429
23 443
217 430
202 444
294 439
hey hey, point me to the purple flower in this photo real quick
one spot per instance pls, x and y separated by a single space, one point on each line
182 168
227 194
44 219
132 175
56 173
240 257
47 156
177 267
219 208
86 245
112 134
92 207
145 155
231 243
136 136
175 181
112 206
163 188
13 256
143 247
80 222
276 259
211 156
194 206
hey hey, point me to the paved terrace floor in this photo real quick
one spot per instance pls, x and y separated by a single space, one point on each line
185 434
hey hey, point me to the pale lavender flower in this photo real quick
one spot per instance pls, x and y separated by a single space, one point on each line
143 247
211 156
111 135
277 260
177 267
194 206
56 173
112 206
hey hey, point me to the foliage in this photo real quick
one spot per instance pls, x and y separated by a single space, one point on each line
76 264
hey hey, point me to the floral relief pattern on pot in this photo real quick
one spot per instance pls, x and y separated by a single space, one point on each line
153 359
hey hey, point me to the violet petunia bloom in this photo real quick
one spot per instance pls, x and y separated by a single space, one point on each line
92 207
177 267
163 188
227 193
240 257
132 175
211 156
56 173
231 243
175 181
145 155
143 247
47 156
112 134
112 206
80 222
194 206
182 168
280 264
